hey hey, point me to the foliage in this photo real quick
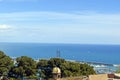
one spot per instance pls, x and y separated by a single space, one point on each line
42 63
85 69
5 63
25 66
68 68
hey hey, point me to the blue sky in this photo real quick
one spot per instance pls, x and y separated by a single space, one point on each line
60 21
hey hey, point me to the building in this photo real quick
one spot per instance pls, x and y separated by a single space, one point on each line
56 73
104 77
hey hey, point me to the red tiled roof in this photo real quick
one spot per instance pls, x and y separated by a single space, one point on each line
111 76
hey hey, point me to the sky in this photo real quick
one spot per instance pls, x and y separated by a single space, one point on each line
60 21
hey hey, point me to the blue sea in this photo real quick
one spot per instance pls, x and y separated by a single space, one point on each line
80 52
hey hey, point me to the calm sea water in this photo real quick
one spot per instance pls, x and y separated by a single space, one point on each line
81 52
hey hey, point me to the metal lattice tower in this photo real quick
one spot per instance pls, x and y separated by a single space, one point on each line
58 53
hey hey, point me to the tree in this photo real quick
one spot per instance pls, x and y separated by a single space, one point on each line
55 62
25 67
85 69
68 68
5 63
42 63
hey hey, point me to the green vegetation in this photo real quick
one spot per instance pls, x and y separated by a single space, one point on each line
5 63
24 66
68 68
29 68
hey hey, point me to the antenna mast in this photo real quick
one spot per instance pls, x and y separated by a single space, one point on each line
58 53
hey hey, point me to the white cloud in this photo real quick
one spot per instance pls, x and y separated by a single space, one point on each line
4 26
62 27
64 34
93 18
